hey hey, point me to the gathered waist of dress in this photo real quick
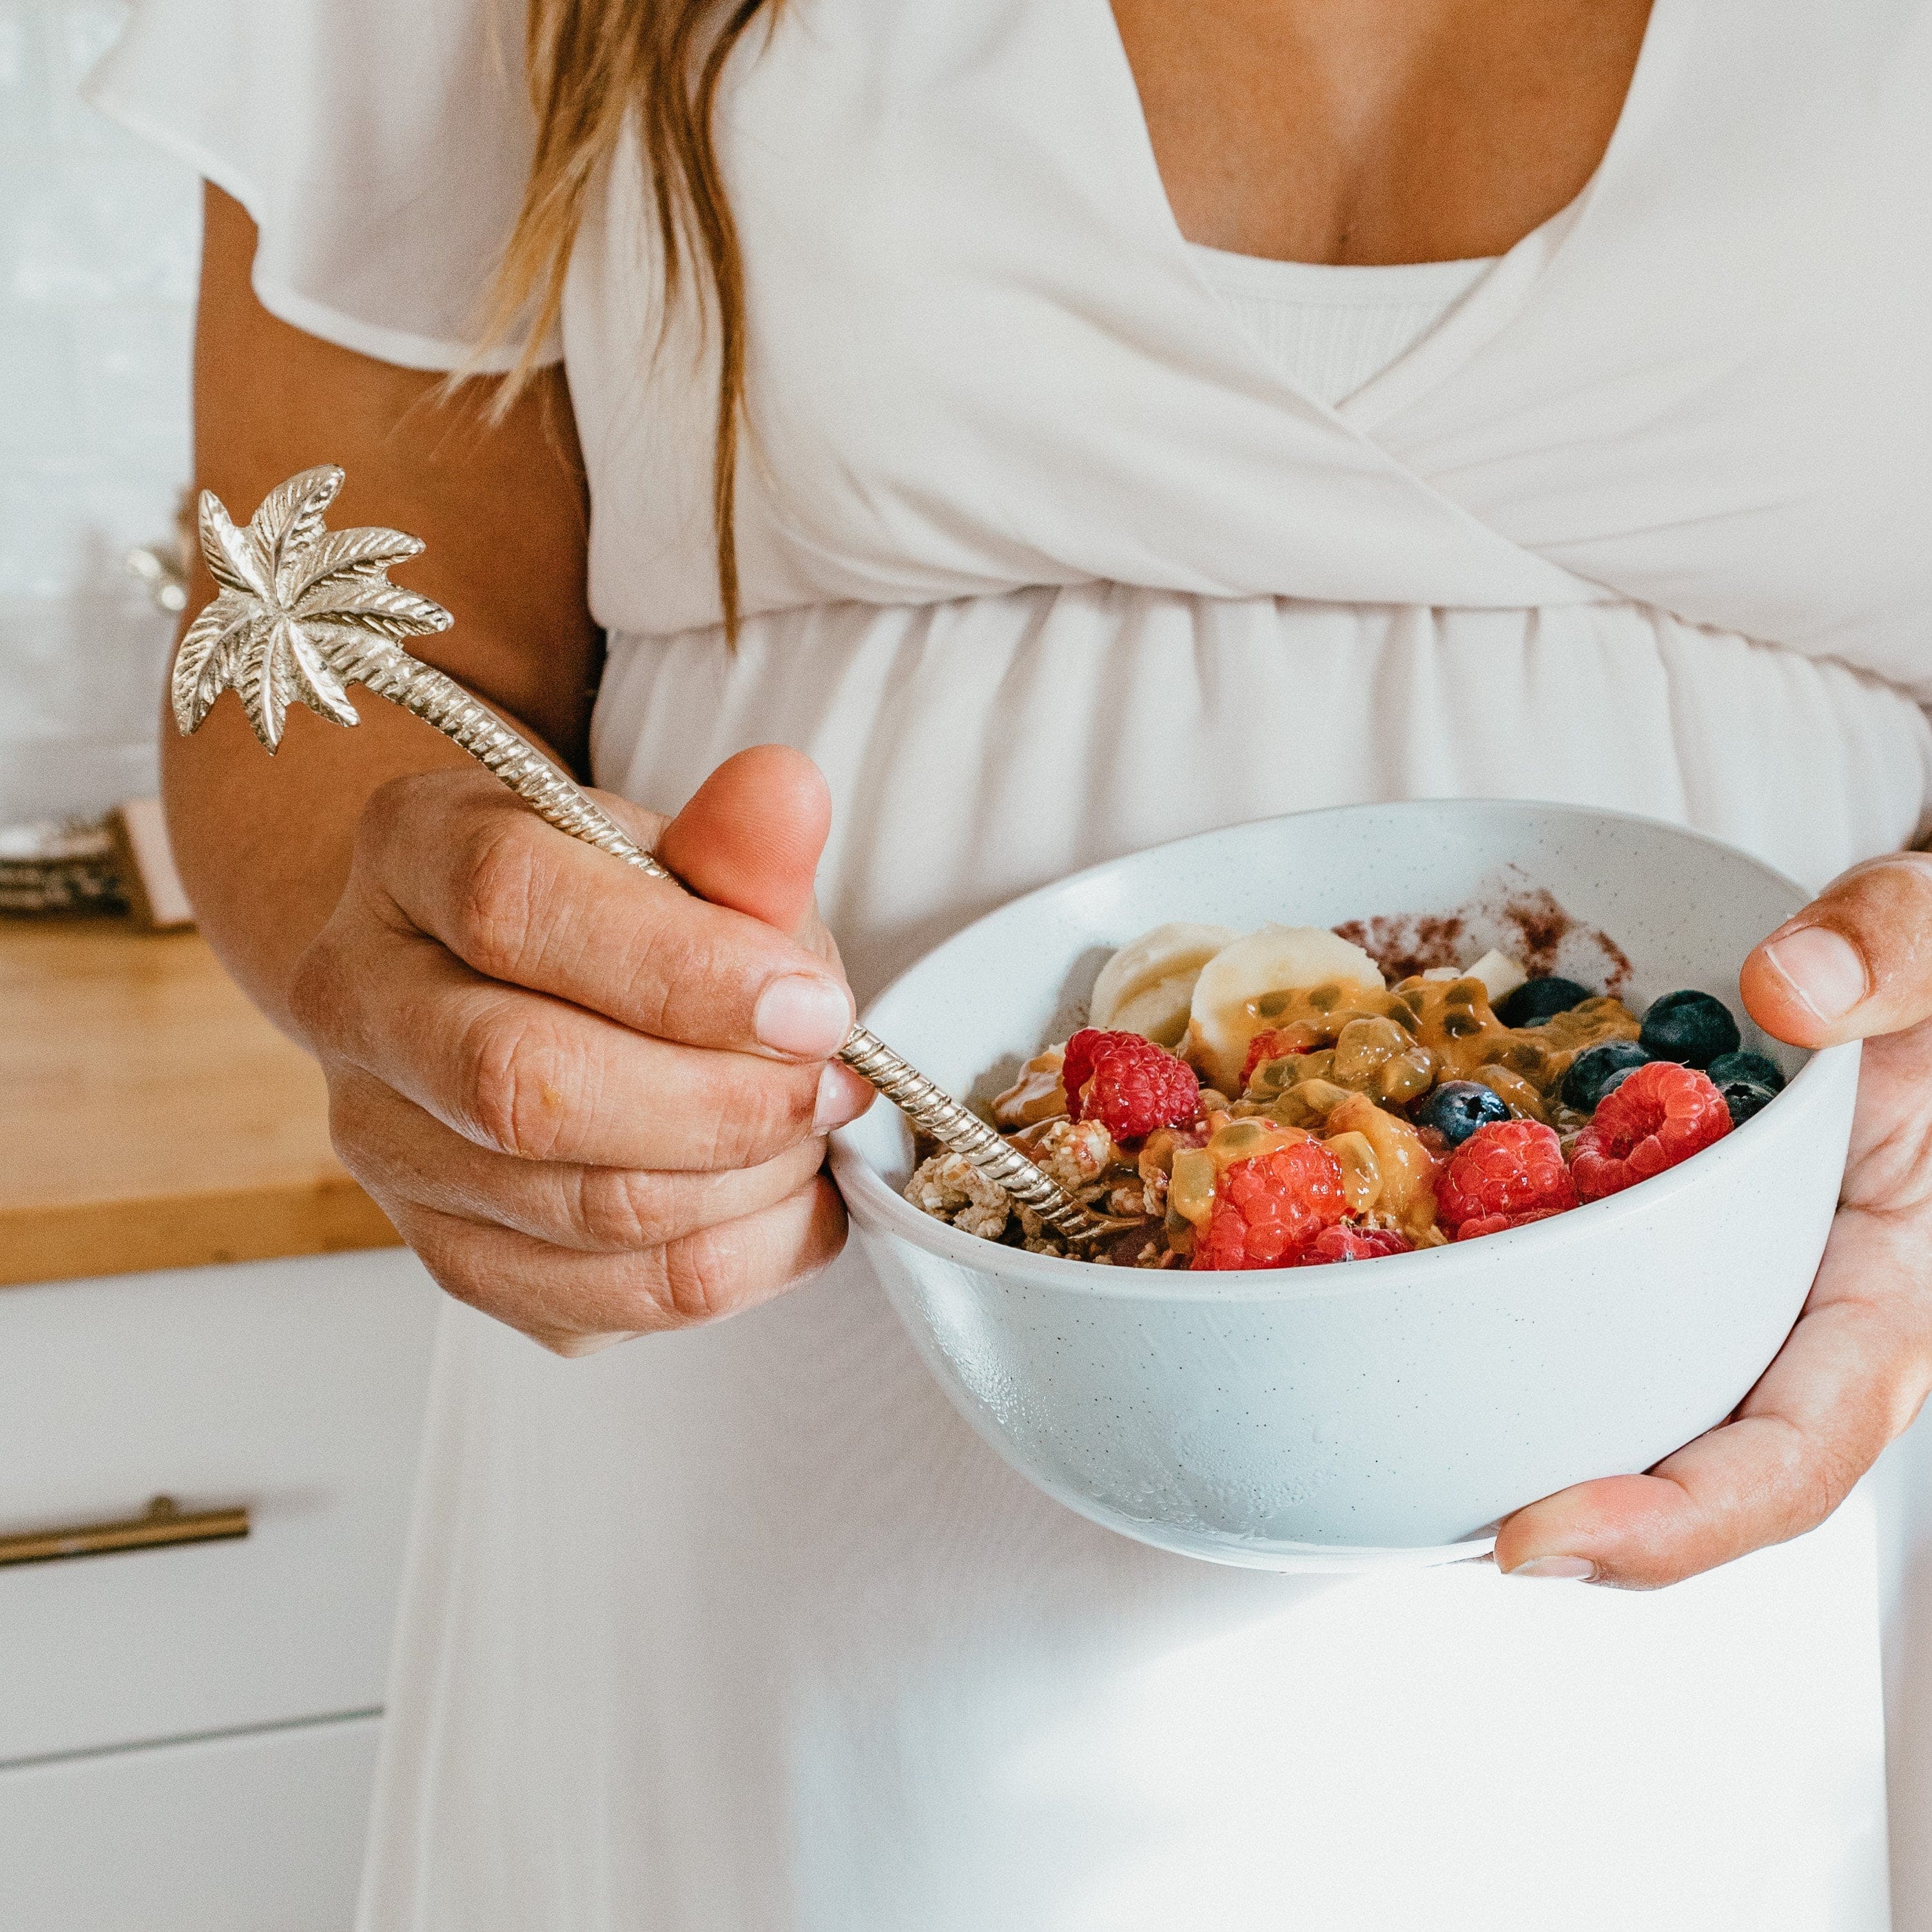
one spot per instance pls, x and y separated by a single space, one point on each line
1091 605
980 747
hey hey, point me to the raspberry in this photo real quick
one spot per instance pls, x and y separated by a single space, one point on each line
1270 1043
1502 1171
1128 1084
1658 1114
1076 1066
1495 1224
1269 1209
1347 1244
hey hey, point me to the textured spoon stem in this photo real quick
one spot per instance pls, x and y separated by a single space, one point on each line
962 1132
303 612
426 693
439 701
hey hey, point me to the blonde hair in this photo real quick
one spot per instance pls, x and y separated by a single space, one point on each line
590 63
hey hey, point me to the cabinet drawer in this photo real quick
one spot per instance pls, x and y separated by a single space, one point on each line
294 1389
260 1834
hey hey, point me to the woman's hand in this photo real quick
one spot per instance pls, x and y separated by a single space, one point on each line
1856 964
595 1105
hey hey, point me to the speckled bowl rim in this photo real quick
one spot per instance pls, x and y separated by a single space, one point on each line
886 1211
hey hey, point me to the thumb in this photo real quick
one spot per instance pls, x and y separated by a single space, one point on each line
751 836
1857 961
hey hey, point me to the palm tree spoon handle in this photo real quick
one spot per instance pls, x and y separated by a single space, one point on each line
303 612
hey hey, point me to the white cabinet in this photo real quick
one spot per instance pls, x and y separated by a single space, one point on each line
294 1389
258 1834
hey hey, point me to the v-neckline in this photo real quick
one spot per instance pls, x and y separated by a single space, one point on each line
1474 322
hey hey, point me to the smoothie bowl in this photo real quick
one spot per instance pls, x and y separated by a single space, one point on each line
1289 1416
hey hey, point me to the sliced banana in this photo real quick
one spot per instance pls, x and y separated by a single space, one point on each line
1500 974
1148 987
1278 958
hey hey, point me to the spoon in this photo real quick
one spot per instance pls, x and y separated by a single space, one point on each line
304 611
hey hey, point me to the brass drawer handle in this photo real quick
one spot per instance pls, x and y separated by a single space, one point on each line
164 1523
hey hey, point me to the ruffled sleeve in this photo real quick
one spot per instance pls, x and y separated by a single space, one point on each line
380 145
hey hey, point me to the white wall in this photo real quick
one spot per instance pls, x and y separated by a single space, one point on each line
98 242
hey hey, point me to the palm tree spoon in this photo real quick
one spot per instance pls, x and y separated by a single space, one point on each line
303 612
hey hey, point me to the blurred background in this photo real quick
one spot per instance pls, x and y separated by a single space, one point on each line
98 244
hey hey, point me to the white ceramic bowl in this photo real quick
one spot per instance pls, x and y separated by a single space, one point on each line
1387 1410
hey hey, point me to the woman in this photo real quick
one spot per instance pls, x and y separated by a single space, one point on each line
1088 429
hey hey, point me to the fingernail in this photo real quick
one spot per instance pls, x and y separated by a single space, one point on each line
803 1015
1561 1569
1822 968
842 1097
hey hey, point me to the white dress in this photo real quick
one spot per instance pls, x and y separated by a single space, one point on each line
1046 559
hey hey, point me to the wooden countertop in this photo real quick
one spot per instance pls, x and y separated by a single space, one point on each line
150 1118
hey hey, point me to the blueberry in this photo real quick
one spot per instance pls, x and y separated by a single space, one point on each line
1691 1027
1745 1098
1593 1073
1457 1107
1615 1081
1753 1068
1536 1000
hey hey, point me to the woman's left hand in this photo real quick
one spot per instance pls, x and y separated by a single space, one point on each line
1856 964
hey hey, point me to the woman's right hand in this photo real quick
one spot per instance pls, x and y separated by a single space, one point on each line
595 1105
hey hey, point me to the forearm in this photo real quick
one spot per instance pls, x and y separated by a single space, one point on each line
263 844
